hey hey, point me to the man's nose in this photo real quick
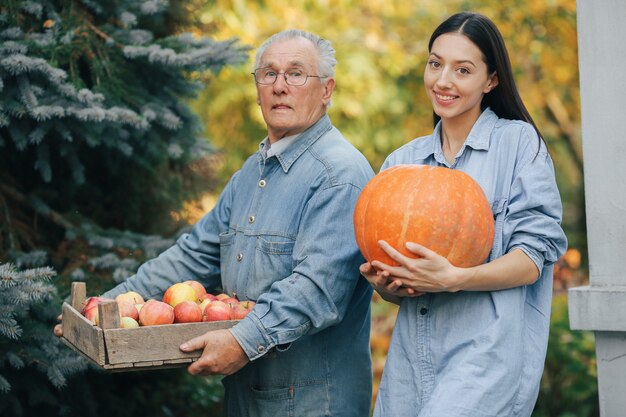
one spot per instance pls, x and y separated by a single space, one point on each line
280 84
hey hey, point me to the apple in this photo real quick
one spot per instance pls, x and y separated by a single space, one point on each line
241 309
216 311
203 304
90 311
187 312
138 307
127 309
179 292
222 296
132 296
208 296
154 313
128 323
200 290
231 301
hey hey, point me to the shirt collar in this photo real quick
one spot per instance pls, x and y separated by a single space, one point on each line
268 149
478 138
298 144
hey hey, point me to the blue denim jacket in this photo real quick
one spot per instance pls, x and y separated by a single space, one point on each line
282 235
481 353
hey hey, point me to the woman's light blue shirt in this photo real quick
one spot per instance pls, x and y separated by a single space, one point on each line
481 353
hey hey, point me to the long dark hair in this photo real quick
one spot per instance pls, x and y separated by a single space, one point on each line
504 99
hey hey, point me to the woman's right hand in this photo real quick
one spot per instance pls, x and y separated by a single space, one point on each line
390 290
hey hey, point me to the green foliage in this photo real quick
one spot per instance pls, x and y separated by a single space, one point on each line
92 109
40 376
569 387
164 393
27 344
98 149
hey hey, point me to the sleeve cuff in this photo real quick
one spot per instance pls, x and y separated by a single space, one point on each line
252 337
534 256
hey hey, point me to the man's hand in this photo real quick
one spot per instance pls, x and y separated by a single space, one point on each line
221 354
58 329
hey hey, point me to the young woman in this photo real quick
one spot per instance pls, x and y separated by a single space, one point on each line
472 341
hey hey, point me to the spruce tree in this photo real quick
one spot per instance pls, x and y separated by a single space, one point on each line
26 339
93 117
98 145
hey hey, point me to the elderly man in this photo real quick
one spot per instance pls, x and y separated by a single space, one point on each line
282 235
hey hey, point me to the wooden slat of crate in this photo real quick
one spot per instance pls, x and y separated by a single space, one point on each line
80 334
143 366
156 343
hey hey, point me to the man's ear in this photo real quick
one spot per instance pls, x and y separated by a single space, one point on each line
329 87
492 83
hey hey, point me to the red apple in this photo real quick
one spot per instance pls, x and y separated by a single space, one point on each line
208 296
178 293
200 290
154 313
222 296
216 311
90 311
132 296
187 312
241 309
127 309
230 301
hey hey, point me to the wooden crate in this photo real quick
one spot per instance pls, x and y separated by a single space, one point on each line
117 349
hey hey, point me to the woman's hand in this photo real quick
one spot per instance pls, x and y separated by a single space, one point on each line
428 272
390 290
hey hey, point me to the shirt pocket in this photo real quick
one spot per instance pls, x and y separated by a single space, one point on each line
498 209
299 400
273 261
227 248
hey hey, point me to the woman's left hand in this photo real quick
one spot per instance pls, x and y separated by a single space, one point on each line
428 272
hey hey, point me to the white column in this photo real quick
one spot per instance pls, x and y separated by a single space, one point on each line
601 306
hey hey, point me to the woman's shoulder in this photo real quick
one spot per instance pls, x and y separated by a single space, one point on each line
415 151
518 134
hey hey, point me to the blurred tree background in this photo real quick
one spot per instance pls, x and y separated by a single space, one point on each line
108 192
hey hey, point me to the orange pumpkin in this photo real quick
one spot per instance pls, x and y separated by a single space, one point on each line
442 209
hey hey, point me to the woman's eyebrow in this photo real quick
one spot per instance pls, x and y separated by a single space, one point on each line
462 61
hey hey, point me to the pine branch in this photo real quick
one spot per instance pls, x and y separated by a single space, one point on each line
4 385
8 273
50 214
98 32
14 360
9 328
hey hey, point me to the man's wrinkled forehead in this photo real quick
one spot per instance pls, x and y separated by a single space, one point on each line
289 55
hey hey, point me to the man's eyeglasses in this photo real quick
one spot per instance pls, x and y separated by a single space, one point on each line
268 76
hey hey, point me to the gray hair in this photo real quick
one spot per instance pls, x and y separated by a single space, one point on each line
326 54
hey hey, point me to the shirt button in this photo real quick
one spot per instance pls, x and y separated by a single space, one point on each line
239 256
251 219
262 183
423 311
260 348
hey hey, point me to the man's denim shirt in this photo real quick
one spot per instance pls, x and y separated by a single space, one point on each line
282 235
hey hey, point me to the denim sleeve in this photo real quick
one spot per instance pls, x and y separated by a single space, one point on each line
318 292
533 218
195 255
